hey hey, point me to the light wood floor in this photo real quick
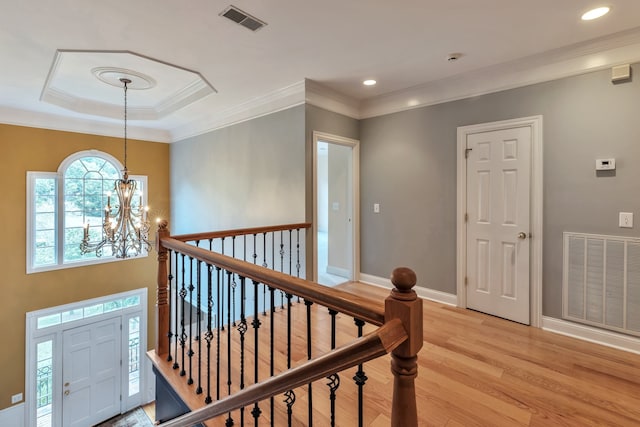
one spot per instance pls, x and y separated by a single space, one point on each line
478 370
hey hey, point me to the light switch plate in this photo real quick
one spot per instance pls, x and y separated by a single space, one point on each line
376 208
626 220
16 398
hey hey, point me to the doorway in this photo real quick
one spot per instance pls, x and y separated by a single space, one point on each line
500 219
336 209
84 360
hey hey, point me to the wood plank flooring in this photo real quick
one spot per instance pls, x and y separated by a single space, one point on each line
474 370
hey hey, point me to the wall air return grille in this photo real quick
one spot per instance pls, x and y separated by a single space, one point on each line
243 18
601 281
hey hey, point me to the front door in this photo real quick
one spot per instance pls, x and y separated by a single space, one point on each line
498 222
91 373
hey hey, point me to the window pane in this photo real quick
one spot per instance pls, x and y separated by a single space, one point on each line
44 384
44 256
46 321
112 305
75 170
71 315
45 238
94 310
45 186
131 301
45 221
73 187
45 203
134 355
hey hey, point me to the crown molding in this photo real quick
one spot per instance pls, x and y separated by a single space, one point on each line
272 102
573 60
40 120
329 99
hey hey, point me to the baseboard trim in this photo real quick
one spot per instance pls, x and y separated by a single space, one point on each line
13 415
429 294
592 334
337 271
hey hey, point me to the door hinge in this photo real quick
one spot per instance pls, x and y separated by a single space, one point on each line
466 152
120 362
466 280
466 217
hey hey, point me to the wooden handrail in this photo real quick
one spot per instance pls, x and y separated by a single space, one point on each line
240 232
344 302
383 340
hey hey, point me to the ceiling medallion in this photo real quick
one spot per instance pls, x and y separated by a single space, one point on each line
113 76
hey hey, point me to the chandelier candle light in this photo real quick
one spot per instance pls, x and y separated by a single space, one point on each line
126 230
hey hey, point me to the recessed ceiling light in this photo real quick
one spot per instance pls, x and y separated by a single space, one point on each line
595 13
369 82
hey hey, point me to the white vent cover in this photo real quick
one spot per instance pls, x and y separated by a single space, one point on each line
601 281
240 17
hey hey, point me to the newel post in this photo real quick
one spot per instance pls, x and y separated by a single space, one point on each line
404 304
162 307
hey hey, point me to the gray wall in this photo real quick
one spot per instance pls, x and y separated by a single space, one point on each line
245 175
408 165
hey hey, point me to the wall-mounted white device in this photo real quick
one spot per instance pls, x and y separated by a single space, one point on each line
620 73
605 164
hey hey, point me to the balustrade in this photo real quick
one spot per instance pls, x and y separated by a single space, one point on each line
229 315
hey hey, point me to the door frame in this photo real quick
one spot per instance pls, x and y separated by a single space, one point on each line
355 201
535 274
35 335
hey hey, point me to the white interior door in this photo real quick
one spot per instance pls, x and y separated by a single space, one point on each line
91 373
498 222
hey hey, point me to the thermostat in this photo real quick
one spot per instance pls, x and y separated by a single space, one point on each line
605 164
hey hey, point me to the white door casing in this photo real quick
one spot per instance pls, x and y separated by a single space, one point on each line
498 179
91 373
534 237
353 204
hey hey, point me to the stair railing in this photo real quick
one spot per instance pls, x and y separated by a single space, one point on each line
398 321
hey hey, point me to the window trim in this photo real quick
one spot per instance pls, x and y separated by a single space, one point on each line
59 214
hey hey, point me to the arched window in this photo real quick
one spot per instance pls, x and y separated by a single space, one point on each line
61 204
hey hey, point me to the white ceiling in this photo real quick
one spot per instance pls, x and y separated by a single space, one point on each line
331 45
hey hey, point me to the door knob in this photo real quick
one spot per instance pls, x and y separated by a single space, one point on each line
66 392
522 235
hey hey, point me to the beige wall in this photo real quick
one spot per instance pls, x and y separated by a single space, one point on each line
29 149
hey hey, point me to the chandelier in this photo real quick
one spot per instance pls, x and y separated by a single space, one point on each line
125 228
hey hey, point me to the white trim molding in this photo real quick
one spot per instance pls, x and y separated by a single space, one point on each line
592 334
425 293
535 123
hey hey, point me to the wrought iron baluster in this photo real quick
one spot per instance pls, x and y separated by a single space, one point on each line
183 334
233 283
281 266
218 321
221 301
334 379
190 353
209 334
199 331
256 326
272 345
170 333
360 378
176 315
242 328
298 265
229 421
309 349
290 395
264 264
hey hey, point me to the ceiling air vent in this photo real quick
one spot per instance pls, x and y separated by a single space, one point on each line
243 18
